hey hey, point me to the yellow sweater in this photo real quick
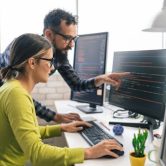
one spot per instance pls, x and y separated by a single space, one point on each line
20 135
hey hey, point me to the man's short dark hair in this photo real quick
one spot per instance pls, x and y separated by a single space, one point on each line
53 19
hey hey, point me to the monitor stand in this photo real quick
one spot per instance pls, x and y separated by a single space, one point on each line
90 109
147 122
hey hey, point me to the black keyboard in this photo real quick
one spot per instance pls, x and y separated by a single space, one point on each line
96 134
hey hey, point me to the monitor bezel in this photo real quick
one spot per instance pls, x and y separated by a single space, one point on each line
105 63
163 142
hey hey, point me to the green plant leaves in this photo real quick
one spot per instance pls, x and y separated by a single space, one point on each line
138 142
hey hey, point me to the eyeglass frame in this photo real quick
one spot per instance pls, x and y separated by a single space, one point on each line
46 59
67 38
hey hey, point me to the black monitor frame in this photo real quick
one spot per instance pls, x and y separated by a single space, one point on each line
92 107
152 120
162 153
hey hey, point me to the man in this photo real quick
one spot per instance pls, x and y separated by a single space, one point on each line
60 27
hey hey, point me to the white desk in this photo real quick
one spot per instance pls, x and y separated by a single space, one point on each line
76 140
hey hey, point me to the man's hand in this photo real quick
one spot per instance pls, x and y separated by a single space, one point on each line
66 118
114 79
74 126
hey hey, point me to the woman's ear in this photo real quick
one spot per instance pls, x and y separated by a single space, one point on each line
32 63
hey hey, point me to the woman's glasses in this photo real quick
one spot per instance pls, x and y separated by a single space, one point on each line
50 60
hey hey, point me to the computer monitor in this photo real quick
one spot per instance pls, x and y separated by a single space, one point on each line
144 91
90 61
162 155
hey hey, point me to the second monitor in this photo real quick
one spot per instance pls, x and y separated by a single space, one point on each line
89 62
144 91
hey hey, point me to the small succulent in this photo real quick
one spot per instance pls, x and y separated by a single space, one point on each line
139 143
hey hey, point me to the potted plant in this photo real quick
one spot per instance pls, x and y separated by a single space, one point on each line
137 158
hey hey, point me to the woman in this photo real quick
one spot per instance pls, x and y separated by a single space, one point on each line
20 136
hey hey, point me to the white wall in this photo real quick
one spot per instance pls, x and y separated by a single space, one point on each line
23 16
124 20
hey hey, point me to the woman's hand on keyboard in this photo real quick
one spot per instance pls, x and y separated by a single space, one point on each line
74 126
103 149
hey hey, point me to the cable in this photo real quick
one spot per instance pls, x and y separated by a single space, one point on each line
125 114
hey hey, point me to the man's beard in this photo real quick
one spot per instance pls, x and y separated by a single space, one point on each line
64 49
68 48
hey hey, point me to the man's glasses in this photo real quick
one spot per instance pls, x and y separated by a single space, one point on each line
50 60
67 38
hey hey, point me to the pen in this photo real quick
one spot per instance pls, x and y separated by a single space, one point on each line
104 126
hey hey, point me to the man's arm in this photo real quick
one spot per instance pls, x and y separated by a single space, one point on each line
4 57
49 115
43 112
76 84
70 76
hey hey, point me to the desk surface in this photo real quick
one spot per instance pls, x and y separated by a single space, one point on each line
76 140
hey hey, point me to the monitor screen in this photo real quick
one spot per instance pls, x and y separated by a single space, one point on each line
163 146
90 61
144 91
